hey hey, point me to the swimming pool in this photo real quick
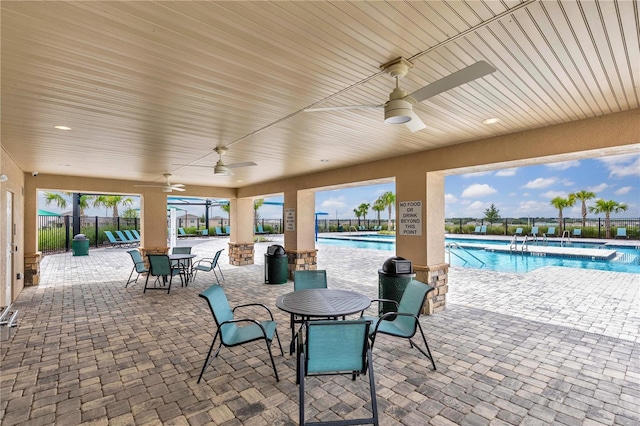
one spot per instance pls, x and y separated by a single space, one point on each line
471 254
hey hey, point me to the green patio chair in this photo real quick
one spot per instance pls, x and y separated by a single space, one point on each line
160 267
336 348
305 280
237 331
404 321
138 266
208 264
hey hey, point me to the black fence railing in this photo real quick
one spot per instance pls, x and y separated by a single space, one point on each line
55 233
593 227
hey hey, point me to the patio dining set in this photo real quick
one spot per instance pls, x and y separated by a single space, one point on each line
325 341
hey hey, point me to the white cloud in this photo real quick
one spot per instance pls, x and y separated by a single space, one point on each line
337 202
568 183
623 190
554 194
622 165
450 198
534 208
564 165
476 174
478 190
599 188
507 172
540 183
475 209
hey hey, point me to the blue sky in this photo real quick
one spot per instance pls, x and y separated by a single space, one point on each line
516 192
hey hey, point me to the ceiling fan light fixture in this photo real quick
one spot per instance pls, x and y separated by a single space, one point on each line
398 111
221 170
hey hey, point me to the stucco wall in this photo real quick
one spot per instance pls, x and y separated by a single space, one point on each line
15 185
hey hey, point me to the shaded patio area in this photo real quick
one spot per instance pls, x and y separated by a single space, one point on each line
557 345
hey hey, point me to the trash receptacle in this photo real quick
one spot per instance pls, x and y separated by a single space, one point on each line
80 245
275 265
393 278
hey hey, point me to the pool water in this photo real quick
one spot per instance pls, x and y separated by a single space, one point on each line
627 259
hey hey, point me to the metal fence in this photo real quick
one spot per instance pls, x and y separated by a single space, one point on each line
593 227
55 233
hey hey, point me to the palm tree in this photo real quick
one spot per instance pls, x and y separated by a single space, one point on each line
388 199
608 207
364 209
560 204
227 208
378 207
256 206
583 196
54 197
112 201
357 212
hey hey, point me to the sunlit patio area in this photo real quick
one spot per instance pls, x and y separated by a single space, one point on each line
556 345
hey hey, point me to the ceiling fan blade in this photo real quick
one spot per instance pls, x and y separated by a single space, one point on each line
173 188
415 124
465 75
151 186
236 165
339 108
176 185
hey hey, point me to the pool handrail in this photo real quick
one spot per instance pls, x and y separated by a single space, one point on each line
451 243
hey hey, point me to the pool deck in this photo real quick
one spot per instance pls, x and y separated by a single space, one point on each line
552 346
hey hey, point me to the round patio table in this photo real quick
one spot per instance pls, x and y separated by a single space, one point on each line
323 302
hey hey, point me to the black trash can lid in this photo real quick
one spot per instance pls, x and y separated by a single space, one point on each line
79 237
391 265
275 250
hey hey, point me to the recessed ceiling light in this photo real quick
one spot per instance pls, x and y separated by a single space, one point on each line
324 160
62 127
239 181
491 121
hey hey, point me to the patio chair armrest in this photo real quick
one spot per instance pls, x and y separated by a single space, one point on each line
251 320
381 301
204 259
254 304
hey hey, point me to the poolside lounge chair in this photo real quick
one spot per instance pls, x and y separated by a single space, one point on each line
227 229
477 230
219 232
136 234
483 229
260 230
131 242
622 233
518 232
237 331
130 236
551 232
113 240
318 356
534 231
577 232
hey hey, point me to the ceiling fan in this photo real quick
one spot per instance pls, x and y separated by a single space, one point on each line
225 169
167 186
399 108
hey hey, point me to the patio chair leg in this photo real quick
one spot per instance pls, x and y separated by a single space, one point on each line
208 362
129 281
273 362
300 378
221 274
372 388
428 355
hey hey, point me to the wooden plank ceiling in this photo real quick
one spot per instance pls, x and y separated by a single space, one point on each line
149 87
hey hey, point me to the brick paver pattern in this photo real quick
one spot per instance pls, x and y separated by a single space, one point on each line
553 346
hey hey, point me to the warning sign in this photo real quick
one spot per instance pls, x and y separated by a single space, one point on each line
289 219
410 218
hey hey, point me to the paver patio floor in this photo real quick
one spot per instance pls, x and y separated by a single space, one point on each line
556 345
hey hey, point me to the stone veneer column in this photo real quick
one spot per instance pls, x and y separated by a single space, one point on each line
436 276
241 254
144 251
302 260
32 268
